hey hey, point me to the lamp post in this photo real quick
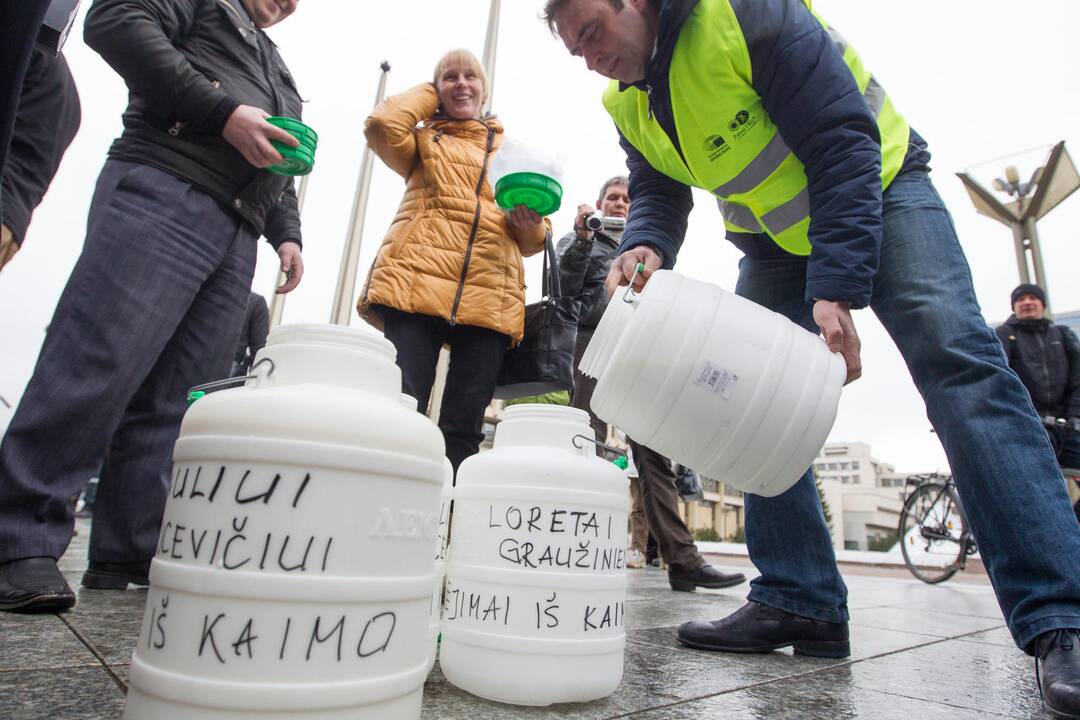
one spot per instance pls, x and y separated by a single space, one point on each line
1048 186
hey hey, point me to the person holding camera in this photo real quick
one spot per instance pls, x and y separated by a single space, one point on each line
450 269
584 256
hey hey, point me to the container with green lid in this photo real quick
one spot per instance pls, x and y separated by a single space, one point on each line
298 160
521 175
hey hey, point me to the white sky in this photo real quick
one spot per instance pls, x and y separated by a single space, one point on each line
979 79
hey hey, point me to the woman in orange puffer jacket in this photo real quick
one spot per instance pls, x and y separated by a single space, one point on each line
450 268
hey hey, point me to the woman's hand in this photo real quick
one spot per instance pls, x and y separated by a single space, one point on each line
522 218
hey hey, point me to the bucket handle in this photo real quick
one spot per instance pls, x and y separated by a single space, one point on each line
594 441
199 390
629 296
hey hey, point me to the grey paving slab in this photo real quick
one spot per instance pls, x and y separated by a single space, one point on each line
981 604
109 620
665 608
653 676
823 696
980 676
997 636
927 622
39 641
82 693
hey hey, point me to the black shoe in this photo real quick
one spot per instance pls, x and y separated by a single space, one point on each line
757 628
116 576
34 584
705 576
1057 670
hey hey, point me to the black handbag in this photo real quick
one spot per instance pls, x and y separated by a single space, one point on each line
544 360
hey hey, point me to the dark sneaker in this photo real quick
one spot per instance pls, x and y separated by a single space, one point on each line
116 576
757 628
34 584
705 576
1057 670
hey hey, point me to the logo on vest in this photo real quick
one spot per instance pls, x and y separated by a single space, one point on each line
742 123
715 146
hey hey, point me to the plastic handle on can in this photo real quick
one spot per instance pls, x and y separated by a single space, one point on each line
630 296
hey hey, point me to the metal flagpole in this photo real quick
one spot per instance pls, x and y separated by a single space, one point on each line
342 309
491 44
277 300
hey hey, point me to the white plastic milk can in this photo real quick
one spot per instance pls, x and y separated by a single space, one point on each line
714 381
536 581
294 571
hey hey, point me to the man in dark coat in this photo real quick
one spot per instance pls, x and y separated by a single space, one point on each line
46 122
155 302
1046 356
584 257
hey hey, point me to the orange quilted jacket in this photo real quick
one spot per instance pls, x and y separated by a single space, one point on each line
449 251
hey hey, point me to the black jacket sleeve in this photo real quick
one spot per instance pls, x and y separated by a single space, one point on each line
283 220
572 254
138 39
48 117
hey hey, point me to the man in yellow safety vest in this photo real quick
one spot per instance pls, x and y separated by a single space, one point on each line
825 188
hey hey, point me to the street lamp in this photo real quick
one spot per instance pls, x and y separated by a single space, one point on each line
1049 185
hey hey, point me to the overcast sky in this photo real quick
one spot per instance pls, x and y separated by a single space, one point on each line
979 79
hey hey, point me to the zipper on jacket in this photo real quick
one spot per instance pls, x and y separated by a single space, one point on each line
475 225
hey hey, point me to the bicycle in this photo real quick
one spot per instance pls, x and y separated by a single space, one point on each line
1059 431
934 535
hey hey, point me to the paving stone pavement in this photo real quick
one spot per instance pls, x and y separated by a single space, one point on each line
917 651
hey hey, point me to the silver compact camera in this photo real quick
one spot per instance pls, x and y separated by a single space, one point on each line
596 221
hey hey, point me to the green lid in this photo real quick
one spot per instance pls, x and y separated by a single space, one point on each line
195 395
294 127
298 160
533 190
621 462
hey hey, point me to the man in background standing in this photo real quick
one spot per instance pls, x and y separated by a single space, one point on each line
584 257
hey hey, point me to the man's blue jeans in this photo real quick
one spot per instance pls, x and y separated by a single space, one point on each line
1001 459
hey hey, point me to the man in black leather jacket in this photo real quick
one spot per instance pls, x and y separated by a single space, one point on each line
584 258
1047 359
155 302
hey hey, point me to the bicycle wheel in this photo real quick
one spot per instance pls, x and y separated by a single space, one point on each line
933 533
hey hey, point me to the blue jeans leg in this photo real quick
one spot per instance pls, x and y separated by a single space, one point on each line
787 536
152 306
1005 471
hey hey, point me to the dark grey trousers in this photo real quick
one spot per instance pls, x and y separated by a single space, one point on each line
153 306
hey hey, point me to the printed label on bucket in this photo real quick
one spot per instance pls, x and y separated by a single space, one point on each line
720 381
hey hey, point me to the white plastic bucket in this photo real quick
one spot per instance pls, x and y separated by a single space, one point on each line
536 582
294 570
715 382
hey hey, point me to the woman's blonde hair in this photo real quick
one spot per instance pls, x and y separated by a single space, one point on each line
465 59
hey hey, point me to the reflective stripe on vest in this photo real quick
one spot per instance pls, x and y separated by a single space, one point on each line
729 142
